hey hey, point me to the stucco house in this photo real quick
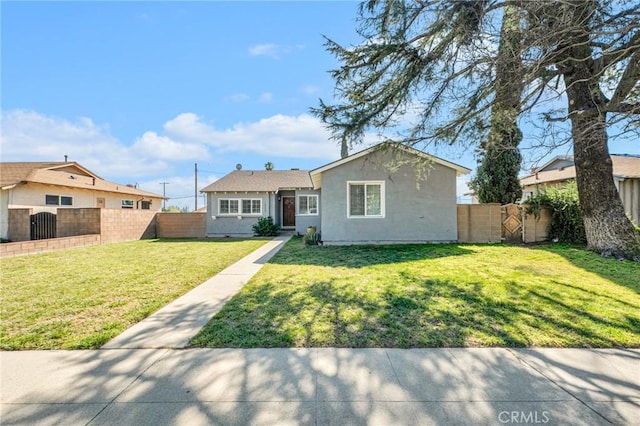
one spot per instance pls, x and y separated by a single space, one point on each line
354 200
561 169
47 186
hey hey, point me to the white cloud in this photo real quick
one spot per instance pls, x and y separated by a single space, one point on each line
31 136
301 136
309 89
238 98
265 97
271 50
162 147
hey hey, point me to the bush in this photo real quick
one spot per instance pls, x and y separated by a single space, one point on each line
311 239
265 227
566 218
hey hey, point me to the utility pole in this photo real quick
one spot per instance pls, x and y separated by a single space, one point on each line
164 195
196 187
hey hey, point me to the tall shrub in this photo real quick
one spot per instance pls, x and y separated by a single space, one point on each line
265 227
566 218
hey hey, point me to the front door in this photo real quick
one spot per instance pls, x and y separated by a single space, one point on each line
288 211
100 203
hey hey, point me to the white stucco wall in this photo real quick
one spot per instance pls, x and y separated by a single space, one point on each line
33 195
4 214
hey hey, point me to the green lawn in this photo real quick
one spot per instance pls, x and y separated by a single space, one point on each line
433 296
80 298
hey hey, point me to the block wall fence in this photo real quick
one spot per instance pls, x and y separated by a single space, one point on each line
477 223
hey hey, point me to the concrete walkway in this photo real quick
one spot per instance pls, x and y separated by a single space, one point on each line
173 325
142 378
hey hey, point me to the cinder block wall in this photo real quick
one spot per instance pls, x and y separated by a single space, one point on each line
182 225
42 246
72 222
127 225
20 224
482 223
479 223
536 230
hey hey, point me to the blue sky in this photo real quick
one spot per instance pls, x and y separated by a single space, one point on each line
140 91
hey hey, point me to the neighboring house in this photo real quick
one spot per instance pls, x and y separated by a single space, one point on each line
49 186
353 200
626 175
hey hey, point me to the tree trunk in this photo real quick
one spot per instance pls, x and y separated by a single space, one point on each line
609 231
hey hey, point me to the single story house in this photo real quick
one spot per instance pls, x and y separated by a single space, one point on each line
47 186
561 169
355 200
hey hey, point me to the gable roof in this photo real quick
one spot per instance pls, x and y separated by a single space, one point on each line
68 174
624 166
316 173
260 181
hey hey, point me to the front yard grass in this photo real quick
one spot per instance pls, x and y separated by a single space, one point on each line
433 296
81 298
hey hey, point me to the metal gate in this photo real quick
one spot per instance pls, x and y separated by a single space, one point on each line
43 226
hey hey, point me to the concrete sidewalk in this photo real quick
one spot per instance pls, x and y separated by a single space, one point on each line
173 325
322 386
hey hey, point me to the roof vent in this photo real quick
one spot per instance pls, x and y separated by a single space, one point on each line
295 168
238 166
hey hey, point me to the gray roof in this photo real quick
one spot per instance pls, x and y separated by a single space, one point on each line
261 181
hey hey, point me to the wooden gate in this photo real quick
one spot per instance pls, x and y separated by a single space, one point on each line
43 226
512 223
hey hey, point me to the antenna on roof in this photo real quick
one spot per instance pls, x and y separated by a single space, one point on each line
65 158
238 166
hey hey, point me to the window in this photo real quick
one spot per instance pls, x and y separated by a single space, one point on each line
51 200
239 206
56 200
228 207
308 205
145 205
251 206
127 204
366 199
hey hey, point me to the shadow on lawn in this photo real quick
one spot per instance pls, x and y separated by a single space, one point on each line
431 313
624 273
358 256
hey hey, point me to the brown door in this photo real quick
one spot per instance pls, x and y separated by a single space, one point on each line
288 211
100 203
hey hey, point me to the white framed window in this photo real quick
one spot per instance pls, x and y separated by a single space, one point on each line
252 206
58 200
127 204
228 206
236 206
308 205
365 199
